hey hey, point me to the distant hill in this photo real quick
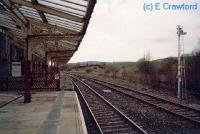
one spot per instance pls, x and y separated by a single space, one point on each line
129 66
86 63
159 62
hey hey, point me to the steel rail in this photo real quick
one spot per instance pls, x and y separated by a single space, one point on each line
152 104
116 109
87 106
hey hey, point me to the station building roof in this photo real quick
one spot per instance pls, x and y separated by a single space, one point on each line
52 27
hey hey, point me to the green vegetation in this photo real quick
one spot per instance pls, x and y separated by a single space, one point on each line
132 66
159 63
128 66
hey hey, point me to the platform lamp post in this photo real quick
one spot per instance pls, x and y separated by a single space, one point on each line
27 78
181 66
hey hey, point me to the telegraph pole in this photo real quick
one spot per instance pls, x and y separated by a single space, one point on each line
181 64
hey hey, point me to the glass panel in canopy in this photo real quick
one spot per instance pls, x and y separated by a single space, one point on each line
30 12
76 8
65 23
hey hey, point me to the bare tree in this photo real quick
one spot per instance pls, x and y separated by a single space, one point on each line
193 72
107 71
124 74
114 73
147 71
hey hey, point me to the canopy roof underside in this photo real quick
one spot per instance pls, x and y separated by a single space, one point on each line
55 27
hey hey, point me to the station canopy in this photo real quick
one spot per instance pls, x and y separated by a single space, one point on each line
52 27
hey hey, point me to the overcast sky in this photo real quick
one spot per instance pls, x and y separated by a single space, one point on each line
120 30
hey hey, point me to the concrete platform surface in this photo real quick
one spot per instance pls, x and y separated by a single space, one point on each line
7 96
65 82
48 113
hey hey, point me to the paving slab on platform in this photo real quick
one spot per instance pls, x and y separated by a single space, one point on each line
49 112
6 97
72 121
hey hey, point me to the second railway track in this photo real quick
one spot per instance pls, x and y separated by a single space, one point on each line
177 109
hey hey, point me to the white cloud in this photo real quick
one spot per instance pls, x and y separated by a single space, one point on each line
120 30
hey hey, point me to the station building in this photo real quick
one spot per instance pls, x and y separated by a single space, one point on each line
36 38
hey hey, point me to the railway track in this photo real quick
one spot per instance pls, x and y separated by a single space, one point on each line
176 109
108 118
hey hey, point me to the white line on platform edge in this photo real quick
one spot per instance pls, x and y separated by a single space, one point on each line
81 114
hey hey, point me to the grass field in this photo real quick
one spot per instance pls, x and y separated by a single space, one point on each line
129 66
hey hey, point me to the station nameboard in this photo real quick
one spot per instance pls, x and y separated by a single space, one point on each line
16 69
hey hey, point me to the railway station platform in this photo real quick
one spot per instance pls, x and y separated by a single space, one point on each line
55 112
36 41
